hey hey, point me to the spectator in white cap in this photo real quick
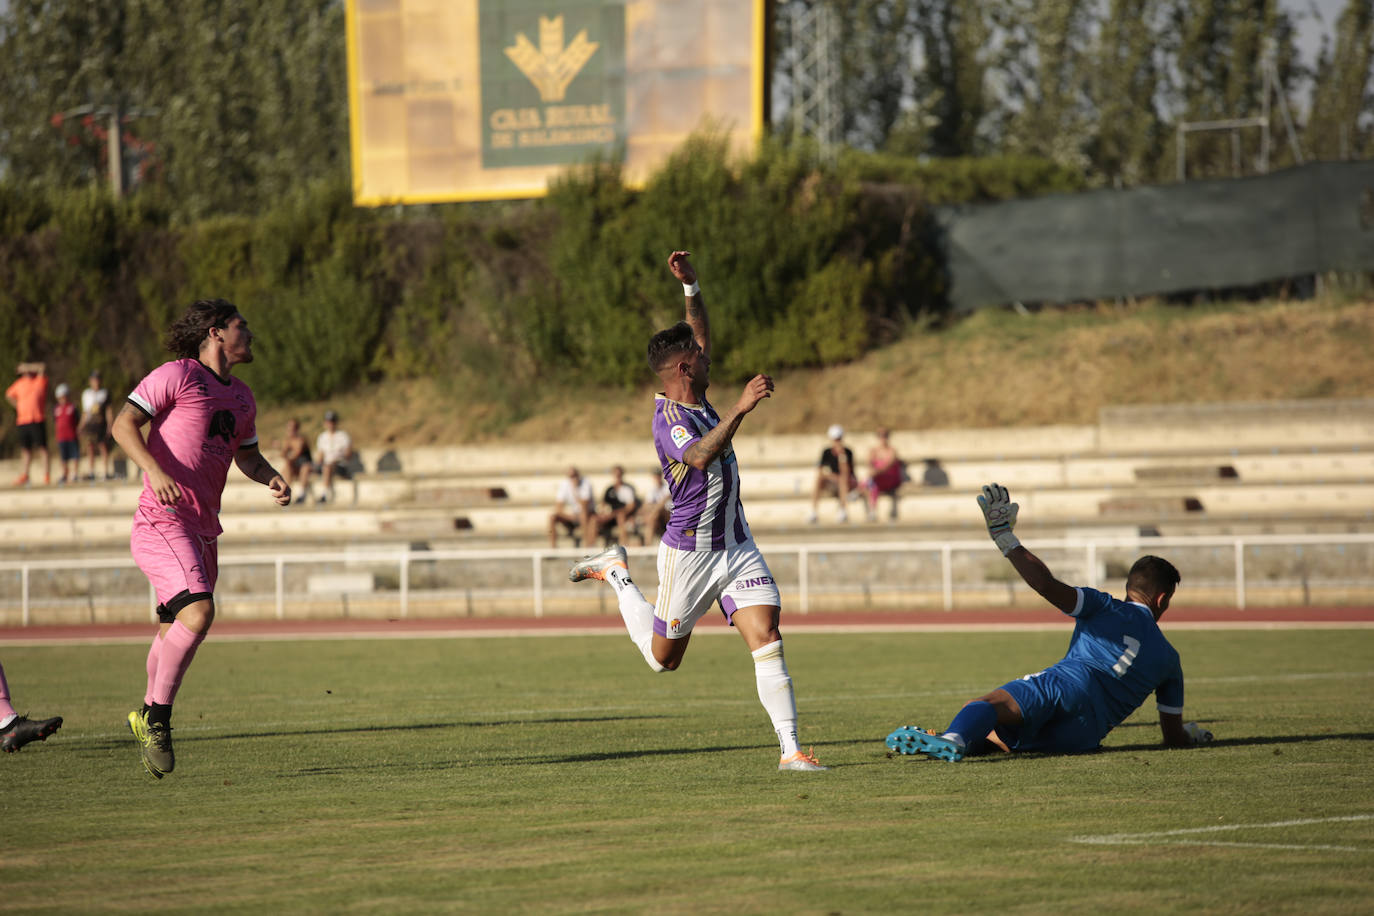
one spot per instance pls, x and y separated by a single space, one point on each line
834 475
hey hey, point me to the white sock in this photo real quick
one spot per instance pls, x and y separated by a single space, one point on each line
775 693
637 613
957 739
8 719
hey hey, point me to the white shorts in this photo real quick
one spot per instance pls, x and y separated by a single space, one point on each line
690 580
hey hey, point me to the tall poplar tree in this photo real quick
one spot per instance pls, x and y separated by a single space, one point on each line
1046 77
1342 106
1128 134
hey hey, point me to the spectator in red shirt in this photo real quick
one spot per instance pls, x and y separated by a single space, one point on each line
29 398
64 424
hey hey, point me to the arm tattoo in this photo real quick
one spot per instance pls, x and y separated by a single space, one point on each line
256 467
700 324
139 417
708 447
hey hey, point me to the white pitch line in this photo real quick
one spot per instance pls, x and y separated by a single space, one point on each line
1166 837
1309 676
1236 845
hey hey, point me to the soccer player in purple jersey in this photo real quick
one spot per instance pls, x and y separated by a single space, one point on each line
1117 657
202 420
707 554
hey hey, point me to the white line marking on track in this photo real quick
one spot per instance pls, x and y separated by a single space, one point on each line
1184 835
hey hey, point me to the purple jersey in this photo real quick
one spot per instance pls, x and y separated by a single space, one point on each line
707 514
199 421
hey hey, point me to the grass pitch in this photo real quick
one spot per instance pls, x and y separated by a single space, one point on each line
559 774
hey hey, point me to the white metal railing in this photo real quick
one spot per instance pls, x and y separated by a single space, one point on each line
805 554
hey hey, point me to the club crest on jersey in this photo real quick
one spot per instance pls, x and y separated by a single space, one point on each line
222 425
680 435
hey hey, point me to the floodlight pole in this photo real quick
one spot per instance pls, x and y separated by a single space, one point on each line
813 73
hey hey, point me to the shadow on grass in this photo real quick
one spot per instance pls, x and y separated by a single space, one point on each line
180 738
513 760
1249 741
562 759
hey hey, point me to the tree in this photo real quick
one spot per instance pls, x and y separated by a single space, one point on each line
1341 93
56 57
950 98
1128 135
1219 59
875 48
1045 72
244 100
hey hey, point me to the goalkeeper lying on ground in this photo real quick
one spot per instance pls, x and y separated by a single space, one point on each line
1117 657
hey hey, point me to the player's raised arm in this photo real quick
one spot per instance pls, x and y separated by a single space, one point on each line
706 449
1000 514
681 266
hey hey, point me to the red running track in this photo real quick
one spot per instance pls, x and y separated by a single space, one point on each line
886 621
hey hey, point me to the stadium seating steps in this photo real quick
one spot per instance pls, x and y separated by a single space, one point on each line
1291 466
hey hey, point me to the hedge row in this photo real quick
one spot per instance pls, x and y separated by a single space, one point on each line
804 262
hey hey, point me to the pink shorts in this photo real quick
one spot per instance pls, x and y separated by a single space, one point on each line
181 565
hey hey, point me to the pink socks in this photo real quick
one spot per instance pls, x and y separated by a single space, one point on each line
6 710
168 660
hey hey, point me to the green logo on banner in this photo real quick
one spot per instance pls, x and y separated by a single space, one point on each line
553 81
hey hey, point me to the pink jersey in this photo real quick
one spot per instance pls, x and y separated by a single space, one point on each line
199 421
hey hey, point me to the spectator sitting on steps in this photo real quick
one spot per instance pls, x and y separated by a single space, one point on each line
335 449
573 509
622 504
835 475
887 473
296 459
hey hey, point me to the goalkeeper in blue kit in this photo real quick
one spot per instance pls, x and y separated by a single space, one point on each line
1117 657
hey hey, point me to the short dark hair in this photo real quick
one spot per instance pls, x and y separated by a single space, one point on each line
188 332
1152 576
669 343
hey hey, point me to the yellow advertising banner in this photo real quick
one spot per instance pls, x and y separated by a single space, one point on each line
489 99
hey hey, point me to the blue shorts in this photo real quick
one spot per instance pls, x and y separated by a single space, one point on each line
1057 714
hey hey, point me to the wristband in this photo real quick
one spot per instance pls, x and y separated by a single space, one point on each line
1006 542
690 290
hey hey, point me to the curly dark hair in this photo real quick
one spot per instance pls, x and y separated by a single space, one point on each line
188 332
669 343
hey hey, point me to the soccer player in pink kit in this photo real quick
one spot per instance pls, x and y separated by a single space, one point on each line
201 420
708 554
16 730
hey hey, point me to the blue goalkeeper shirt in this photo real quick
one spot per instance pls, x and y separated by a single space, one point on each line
1117 657
1118 647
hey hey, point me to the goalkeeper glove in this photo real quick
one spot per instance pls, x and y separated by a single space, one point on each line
1000 513
1199 734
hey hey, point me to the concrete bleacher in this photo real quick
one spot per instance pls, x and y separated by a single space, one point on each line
1198 469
